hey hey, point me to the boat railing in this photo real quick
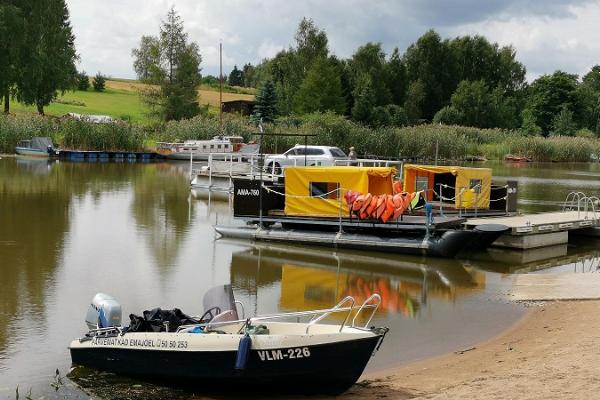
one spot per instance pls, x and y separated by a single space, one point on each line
315 319
315 314
374 297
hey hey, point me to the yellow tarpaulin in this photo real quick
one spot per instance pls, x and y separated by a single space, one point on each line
313 191
472 186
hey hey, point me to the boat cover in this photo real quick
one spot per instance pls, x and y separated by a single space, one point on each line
41 143
466 178
310 191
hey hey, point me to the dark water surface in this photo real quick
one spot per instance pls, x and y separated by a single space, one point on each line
70 230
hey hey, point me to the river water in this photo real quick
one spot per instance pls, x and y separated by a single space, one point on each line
70 230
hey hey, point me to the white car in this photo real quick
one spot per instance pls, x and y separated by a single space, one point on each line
301 155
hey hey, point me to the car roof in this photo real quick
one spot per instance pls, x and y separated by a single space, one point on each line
315 147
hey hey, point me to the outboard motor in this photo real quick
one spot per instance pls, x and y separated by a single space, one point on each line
103 312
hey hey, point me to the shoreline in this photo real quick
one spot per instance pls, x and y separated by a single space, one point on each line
549 353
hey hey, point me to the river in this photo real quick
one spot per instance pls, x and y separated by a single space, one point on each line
70 230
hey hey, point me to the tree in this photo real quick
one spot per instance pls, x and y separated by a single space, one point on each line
99 82
266 103
236 77
249 75
364 99
415 98
82 81
563 124
171 68
529 124
396 79
369 60
548 95
47 63
12 27
429 61
311 44
321 90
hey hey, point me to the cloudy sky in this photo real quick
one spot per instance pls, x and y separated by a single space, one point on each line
548 34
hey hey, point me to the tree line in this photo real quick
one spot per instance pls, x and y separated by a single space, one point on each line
37 52
463 81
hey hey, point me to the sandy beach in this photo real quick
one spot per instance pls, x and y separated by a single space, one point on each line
551 353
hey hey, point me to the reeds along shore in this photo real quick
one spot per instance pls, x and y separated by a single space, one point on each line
414 142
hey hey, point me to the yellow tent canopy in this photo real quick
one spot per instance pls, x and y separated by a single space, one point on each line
472 186
319 191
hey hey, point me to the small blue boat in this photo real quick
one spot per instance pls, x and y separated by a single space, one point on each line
35 147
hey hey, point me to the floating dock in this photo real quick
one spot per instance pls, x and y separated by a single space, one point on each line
543 229
131 156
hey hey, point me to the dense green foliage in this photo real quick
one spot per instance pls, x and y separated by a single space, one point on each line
37 51
171 67
465 80
236 77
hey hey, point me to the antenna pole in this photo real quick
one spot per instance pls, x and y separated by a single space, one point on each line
221 87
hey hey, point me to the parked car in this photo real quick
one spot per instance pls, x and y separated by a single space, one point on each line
297 155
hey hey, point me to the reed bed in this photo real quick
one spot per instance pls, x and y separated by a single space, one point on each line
415 142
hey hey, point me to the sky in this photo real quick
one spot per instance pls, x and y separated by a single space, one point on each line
547 34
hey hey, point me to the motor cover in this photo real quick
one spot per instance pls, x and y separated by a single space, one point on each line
104 311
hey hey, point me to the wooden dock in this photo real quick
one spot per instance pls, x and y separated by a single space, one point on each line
549 287
541 230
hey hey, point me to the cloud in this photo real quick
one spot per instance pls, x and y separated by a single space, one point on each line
547 34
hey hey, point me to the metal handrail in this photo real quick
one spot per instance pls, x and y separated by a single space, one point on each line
366 302
337 306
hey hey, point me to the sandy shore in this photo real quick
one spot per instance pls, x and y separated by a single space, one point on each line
552 353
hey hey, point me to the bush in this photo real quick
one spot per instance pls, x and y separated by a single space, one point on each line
99 82
448 116
82 81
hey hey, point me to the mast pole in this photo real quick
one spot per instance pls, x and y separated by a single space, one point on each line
221 87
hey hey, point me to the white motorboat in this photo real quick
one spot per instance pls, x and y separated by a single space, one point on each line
274 351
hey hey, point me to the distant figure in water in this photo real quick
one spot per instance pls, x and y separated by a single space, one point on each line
352 154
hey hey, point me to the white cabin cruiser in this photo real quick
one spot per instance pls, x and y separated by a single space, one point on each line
220 147
275 351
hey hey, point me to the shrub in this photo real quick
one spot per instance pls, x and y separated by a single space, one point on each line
82 81
99 82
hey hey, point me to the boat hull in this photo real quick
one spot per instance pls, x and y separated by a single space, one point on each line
329 368
25 151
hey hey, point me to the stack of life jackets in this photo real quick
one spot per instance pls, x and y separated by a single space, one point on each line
384 207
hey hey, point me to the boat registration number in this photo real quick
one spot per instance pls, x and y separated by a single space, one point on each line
284 354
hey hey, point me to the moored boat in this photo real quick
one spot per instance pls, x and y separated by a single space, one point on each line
356 207
265 351
35 147
220 147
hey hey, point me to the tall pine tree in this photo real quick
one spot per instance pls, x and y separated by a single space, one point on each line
47 59
266 103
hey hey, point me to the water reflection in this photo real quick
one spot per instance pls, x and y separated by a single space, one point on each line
34 219
313 278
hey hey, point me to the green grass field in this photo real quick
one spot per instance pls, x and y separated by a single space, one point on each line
120 100
120 104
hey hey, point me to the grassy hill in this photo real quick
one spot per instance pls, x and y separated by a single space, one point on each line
120 100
